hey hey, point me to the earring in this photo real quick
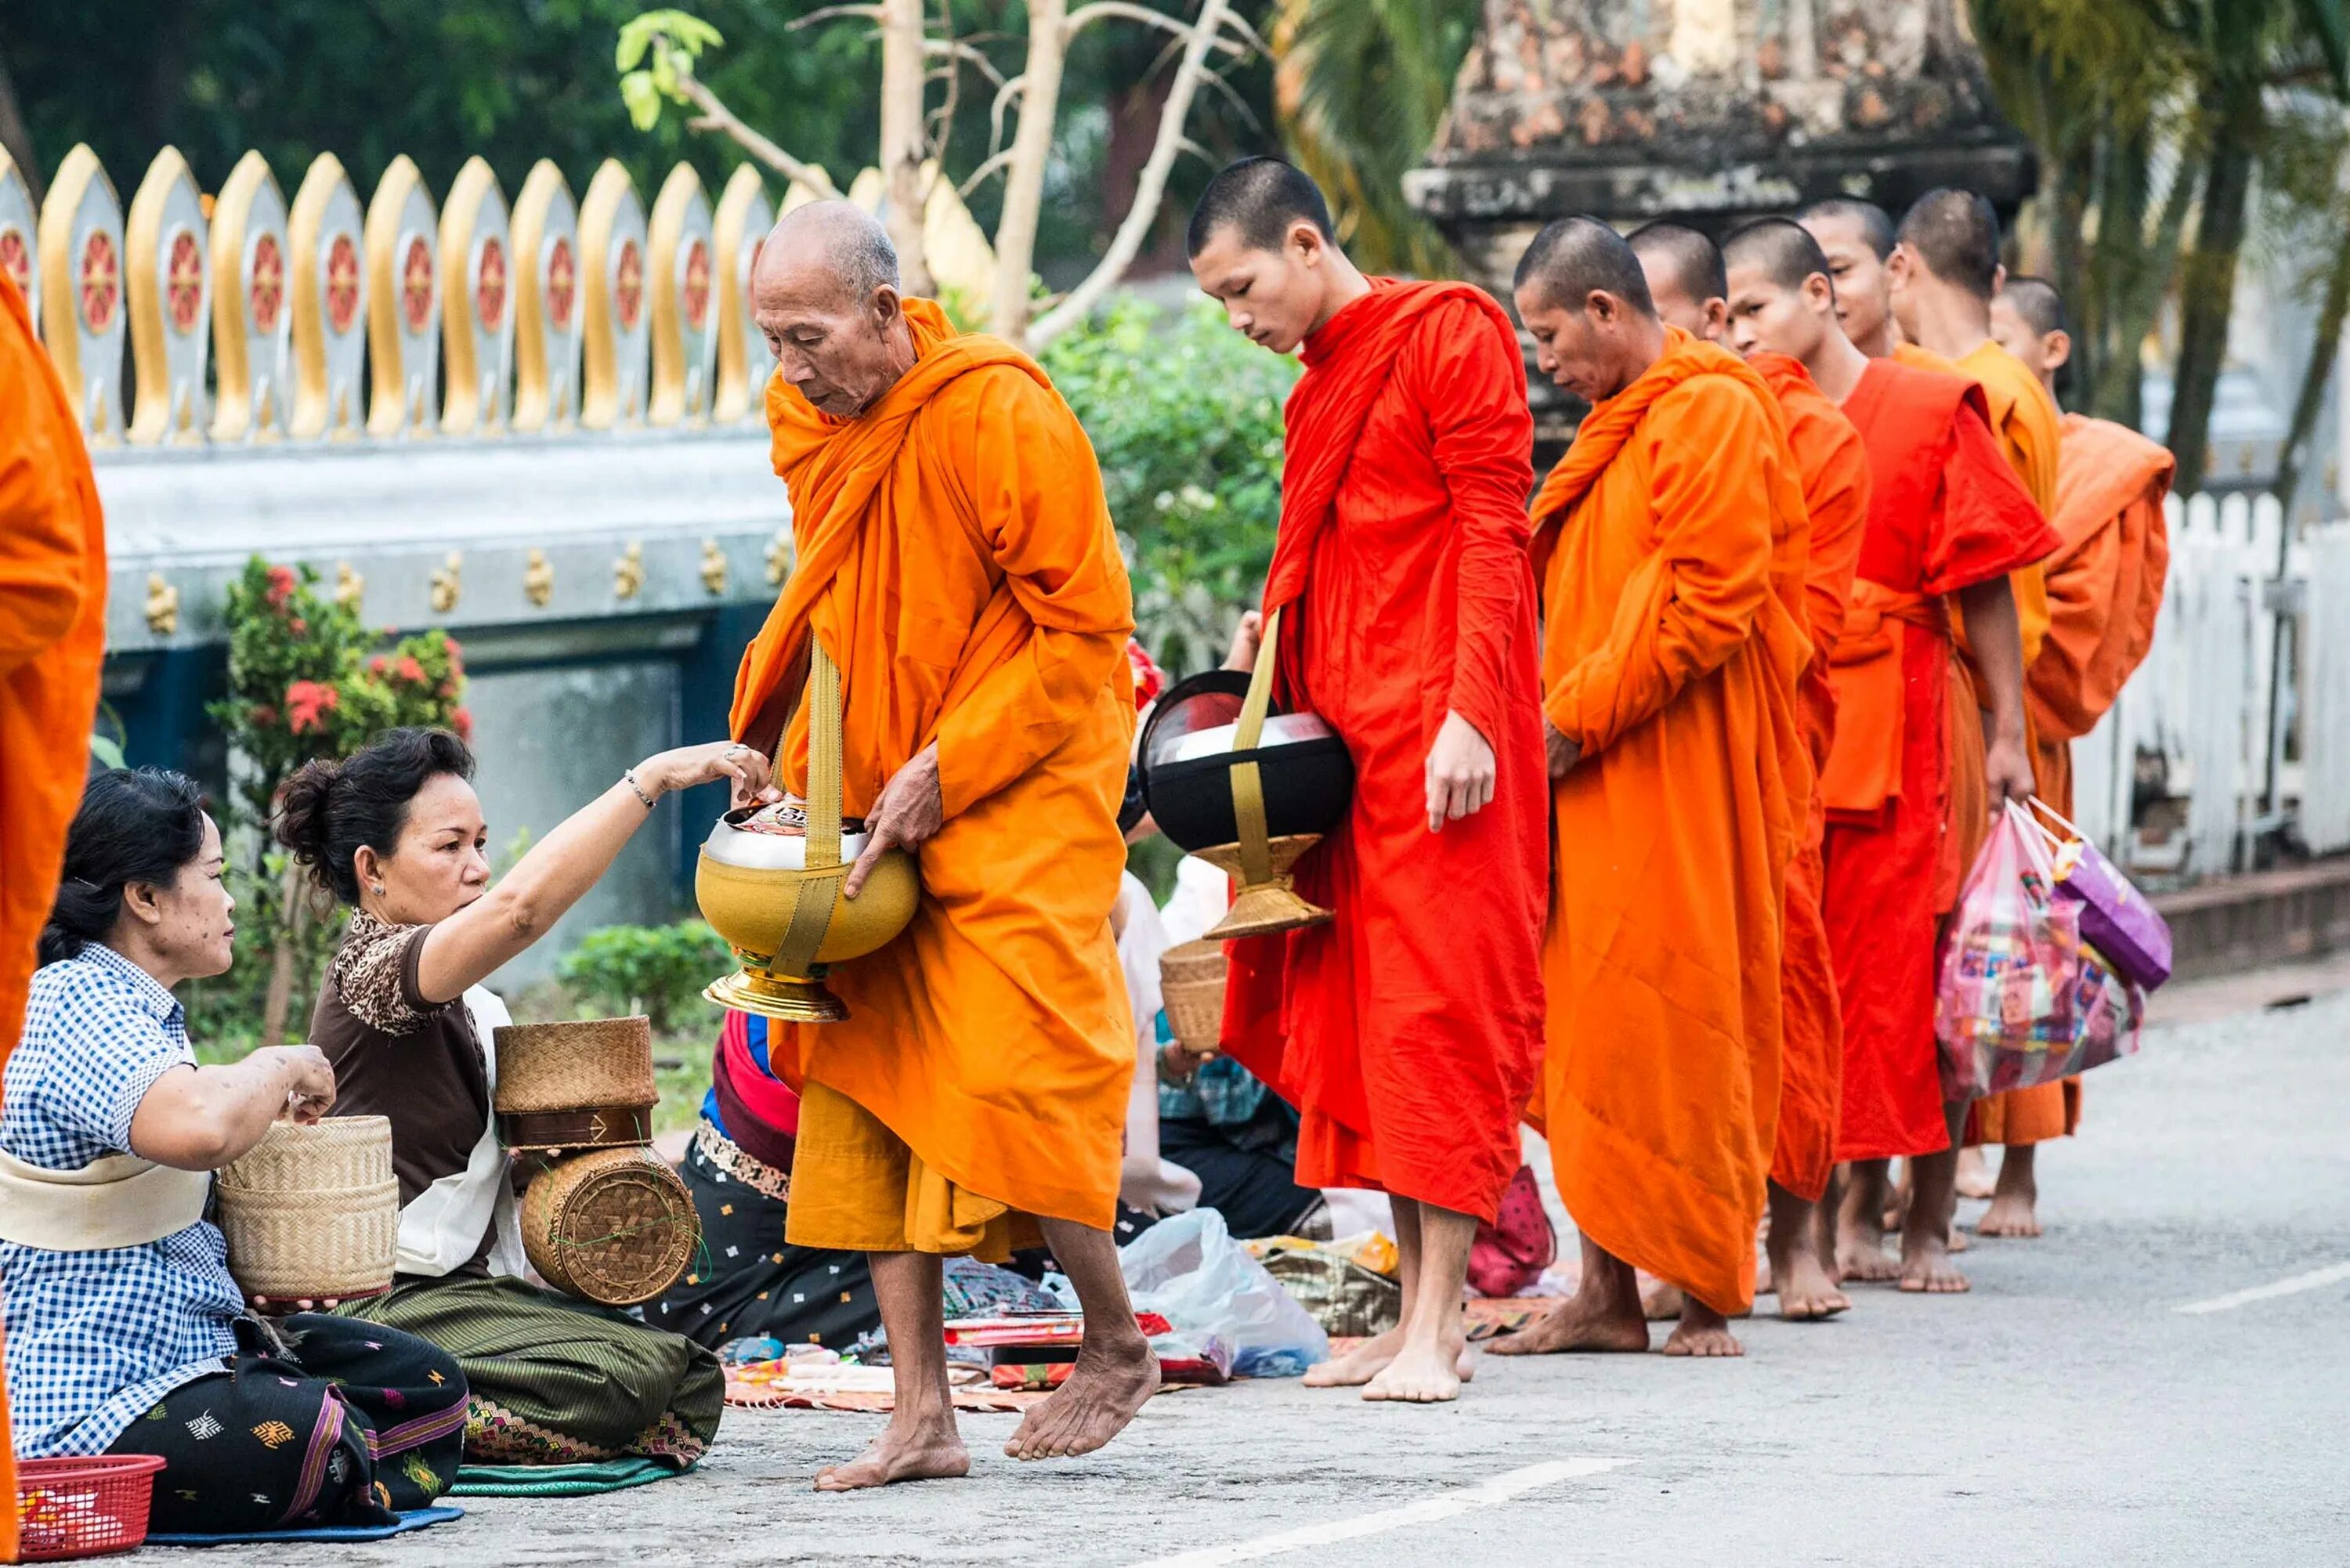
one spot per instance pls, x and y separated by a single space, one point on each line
377 888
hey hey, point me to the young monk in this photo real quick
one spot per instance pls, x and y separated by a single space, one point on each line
1690 288
2104 589
957 562
1406 1030
52 636
1679 779
1947 517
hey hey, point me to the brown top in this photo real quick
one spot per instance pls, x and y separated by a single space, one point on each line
397 1055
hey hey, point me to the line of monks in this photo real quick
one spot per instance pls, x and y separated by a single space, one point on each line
1664 786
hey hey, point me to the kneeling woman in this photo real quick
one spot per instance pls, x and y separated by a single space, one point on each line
125 1332
396 832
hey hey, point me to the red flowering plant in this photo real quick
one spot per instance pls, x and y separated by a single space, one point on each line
308 679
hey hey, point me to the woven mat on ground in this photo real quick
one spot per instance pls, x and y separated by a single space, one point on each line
973 1397
414 1518
559 1480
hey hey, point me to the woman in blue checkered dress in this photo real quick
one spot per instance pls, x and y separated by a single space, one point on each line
125 1332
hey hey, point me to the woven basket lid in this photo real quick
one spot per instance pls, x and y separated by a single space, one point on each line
615 1226
577 1066
339 1154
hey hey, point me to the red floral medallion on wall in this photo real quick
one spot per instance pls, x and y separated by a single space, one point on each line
489 286
342 284
264 285
416 284
562 286
697 285
102 281
16 256
183 283
629 285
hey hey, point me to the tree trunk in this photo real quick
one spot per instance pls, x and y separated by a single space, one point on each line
2207 285
903 152
1023 179
280 997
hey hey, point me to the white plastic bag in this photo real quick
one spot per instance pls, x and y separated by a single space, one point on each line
1190 1268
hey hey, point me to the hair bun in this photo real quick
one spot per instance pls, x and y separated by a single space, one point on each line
300 823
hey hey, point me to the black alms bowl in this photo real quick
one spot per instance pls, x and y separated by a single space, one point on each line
1188 761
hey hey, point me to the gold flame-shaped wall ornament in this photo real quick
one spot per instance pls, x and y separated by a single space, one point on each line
252 316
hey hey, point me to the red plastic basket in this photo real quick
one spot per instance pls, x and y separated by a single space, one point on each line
83 1507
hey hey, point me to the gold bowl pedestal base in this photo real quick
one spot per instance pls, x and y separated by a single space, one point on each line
1271 906
789 998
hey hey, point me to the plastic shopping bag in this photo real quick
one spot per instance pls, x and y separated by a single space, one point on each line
2116 917
1188 1268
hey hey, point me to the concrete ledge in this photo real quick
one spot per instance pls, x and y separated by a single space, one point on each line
2240 922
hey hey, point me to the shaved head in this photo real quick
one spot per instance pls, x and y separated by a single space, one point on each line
2027 319
1956 235
1682 254
1873 223
1574 258
1857 238
1260 198
2036 302
1779 249
824 292
843 237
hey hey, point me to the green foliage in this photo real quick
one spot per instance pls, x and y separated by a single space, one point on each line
1185 417
658 971
667 36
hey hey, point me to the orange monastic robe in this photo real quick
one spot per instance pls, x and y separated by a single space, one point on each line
956 558
52 637
1946 511
1406 1031
1672 662
1834 466
2104 589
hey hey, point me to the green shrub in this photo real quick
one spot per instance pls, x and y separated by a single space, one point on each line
658 971
1185 415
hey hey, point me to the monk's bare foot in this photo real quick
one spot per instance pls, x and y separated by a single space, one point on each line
1370 1358
1702 1332
1958 1242
1424 1372
2012 1213
1102 1395
1926 1266
1806 1294
914 1451
1661 1303
1583 1322
1974 1173
1766 1279
1861 1255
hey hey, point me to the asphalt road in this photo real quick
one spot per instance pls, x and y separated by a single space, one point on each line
2068 1411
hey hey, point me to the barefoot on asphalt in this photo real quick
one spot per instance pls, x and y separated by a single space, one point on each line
1093 1407
1576 1325
1806 1293
1422 1374
1702 1332
1661 1303
1926 1267
922 1452
1368 1359
2010 1214
1974 1173
1861 1256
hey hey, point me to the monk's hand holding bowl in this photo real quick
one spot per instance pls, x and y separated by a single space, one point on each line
1562 752
909 813
1460 773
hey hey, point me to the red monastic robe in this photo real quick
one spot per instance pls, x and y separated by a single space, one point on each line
1946 511
1406 1031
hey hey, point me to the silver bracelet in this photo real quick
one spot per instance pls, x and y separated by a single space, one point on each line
629 778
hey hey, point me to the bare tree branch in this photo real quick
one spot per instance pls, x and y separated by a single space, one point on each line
1231 94
715 116
1003 96
1150 190
1030 151
957 49
832 14
979 176
1099 10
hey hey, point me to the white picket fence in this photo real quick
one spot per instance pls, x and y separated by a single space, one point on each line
2198 706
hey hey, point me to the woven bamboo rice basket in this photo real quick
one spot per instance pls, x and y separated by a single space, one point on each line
312 1213
615 1226
1192 989
587 1065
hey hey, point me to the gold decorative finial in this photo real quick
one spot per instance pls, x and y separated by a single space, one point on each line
448 583
538 579
628 571
779 557
350 587
162 605
713 566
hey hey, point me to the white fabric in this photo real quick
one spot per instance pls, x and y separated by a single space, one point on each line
1201 896
441 1226
119 1200
1146 1181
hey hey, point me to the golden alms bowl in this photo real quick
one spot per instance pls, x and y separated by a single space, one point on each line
752 888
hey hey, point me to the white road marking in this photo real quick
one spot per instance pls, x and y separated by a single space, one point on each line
2316 1279
1445 1505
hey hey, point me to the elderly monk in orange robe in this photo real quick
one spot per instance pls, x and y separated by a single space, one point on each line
1671 659
956 559
52 638
1948 516
1691 287
1405 1031
2105 590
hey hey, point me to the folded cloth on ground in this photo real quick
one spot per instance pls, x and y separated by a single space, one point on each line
560 1481
414 1518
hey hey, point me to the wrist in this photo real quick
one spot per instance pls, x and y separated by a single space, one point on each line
649 780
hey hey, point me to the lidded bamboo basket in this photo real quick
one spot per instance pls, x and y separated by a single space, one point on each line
586 1084
1192 988
615 1226
313 1213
